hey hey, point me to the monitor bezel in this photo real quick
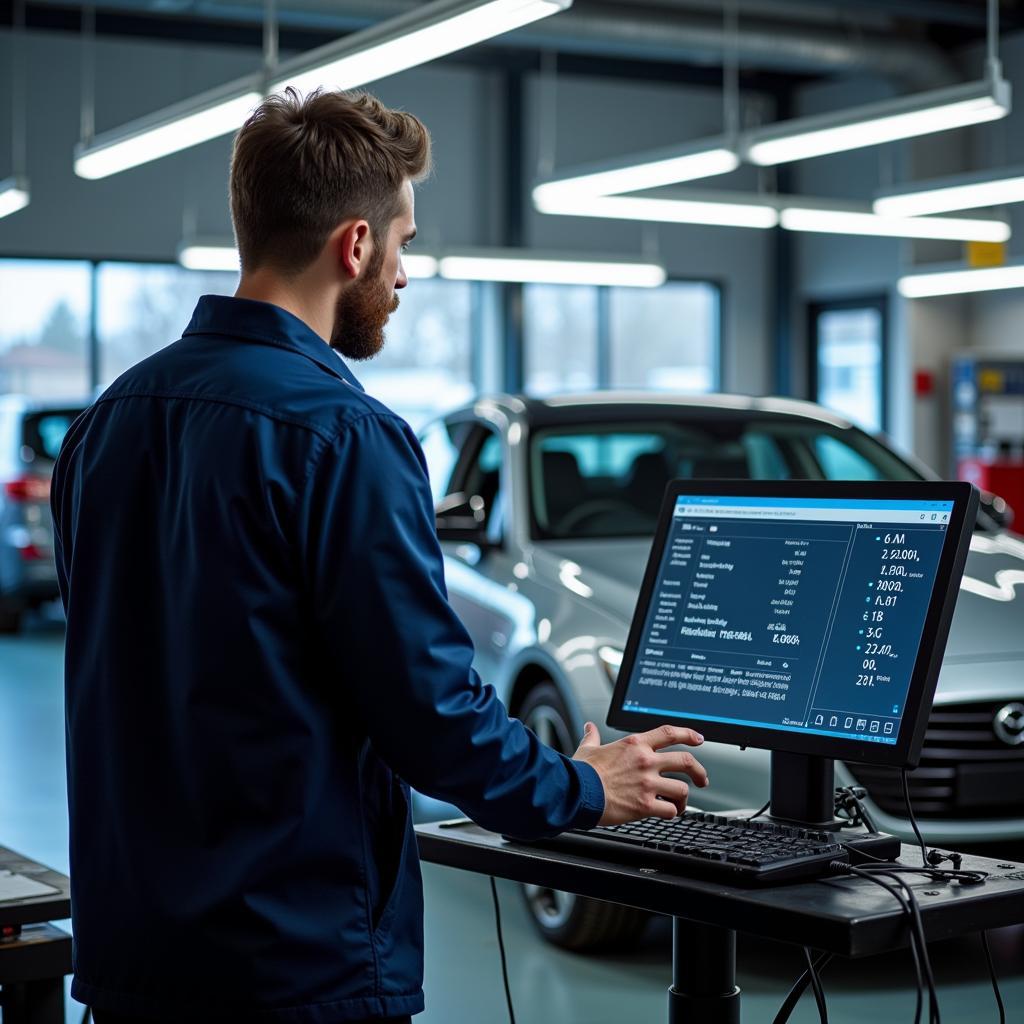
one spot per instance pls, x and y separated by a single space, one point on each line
924 678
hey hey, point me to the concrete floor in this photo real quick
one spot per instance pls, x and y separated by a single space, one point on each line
463 973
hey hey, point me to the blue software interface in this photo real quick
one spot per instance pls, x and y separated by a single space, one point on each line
796 614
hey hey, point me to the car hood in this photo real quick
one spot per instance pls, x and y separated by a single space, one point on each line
988 625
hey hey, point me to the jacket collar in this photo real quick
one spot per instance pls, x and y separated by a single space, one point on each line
267 324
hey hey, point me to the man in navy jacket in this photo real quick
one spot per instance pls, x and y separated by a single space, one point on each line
261 656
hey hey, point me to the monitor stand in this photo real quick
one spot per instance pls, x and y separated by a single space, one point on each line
803 791
803 794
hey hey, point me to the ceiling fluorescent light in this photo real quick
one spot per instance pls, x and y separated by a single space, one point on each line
516 265
208 255
409 40
832 218
959 281
14 195
958 192
875 123
725 209
170 130
221 255
420 265
641 171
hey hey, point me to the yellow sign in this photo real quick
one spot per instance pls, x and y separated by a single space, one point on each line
991 380
986 254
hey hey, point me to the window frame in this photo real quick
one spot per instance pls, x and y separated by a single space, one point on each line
878 302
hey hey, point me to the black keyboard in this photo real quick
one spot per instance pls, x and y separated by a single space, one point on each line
734 849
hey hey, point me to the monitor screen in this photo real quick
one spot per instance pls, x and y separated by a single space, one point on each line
794 620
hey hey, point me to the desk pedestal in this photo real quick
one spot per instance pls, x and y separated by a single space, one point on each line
704 987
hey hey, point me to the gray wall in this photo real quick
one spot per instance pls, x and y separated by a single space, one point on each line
140 213
144 213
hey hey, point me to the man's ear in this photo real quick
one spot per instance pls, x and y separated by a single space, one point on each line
352 244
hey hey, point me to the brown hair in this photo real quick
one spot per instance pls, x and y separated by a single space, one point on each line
302 166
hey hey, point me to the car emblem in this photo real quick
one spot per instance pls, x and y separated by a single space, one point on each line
1008 724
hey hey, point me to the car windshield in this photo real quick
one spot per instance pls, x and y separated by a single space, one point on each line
607 480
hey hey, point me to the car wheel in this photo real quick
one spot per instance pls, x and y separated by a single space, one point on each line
10 620
566 920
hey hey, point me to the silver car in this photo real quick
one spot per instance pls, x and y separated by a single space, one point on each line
546 510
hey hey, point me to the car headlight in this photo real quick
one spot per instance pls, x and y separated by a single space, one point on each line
611 659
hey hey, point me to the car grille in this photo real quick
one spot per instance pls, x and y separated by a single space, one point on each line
965 771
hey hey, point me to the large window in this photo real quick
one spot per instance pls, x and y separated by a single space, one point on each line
45 327
560 338
72 326
141 307
666 338
848 359
426 365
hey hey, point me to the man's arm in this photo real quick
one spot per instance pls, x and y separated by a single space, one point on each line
375 571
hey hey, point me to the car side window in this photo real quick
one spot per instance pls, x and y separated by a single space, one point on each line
483 479
440 443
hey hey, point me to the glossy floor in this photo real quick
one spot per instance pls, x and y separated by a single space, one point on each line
463 974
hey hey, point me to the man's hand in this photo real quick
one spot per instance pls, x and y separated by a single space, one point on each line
631 772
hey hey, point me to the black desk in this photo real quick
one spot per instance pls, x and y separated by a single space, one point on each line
844 915
34 955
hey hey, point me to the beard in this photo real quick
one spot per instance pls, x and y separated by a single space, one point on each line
362 312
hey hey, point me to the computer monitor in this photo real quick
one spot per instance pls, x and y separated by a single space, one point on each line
804 617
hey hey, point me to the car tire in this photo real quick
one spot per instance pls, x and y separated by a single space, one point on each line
563 919
10 620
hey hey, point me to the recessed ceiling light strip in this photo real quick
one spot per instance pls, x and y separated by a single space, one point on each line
961 280
521 266
829 220
901 118
725 209
957 192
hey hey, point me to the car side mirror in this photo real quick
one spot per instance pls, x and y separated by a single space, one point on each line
996 509
462 518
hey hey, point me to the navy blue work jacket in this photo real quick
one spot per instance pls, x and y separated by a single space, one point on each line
261 658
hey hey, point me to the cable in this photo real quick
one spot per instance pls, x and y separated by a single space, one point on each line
799 986
994 977
501 949
760 812
916 924
849 801
910 814
819 992
844 868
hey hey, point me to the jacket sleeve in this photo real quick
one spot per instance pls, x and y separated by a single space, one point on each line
375 572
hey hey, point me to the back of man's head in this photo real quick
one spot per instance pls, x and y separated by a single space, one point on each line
301 167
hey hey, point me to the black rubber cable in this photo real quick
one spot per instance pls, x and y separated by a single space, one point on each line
501 949
910 814
934 1015
995 978
819 992
760 812
798 989
905 906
